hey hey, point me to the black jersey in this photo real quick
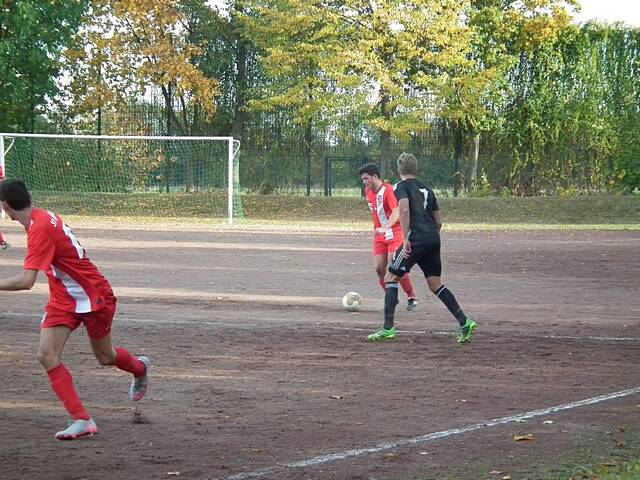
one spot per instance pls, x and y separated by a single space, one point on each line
422 203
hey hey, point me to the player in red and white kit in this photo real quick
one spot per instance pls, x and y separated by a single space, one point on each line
78 294
3 244
387 232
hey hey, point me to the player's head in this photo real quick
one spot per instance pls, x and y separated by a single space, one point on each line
14 195
370 169
370 175
407 164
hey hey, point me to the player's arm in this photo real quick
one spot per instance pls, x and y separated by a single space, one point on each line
394 217
391 203
405 220
438 219
24 281
391 221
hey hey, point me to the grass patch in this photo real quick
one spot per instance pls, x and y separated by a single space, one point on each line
611 455
593 211
621 462
586 210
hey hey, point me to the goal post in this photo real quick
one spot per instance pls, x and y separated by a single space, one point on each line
122 176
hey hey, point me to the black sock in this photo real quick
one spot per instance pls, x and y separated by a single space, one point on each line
444 294
390 302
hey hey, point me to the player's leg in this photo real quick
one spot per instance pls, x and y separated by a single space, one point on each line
3 244
388 331
52 342
405 282
107 354
380 263
431 265
98 326
447 297
407 286
399 266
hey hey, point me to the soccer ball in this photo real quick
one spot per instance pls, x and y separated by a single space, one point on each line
352 301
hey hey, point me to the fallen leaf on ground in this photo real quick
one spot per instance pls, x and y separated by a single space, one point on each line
520 438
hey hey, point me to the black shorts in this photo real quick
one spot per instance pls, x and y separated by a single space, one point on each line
426 256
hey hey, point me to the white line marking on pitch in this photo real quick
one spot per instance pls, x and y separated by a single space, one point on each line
335 457
353 329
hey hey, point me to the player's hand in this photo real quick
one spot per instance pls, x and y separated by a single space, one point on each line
406 249
380 231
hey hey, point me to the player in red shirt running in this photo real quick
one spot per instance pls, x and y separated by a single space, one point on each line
386 227
78 294
3 244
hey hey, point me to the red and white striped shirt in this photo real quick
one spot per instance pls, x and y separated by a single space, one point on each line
381 204
75 284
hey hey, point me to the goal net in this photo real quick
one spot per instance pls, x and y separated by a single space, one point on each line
120 176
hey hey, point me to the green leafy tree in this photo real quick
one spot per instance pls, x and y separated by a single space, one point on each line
296 44
503 30
404 53
32 35
386 60
227 55
573 119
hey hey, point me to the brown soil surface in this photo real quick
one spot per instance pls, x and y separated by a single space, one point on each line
258 372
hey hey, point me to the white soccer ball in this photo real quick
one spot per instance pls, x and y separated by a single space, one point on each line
352 301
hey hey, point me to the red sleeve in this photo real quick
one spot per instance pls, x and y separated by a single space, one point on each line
40 250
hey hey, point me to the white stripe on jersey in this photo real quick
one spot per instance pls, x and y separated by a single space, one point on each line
382 215
75 291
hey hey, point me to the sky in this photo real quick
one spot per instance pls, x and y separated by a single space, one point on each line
627 11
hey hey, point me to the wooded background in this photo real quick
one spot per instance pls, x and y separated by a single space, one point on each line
493 96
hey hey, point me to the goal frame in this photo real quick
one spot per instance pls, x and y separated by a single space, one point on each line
233 146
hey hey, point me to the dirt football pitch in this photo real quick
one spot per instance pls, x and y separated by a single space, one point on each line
258 371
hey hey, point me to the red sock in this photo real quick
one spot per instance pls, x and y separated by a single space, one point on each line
125 361
1 238
407 286
62 385
381 282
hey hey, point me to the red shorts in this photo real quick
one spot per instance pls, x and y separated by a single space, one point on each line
384 247
98 324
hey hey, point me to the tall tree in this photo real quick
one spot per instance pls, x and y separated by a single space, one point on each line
404 52
32 36
226 55
503 30
129 46
387 58
573 113
296 41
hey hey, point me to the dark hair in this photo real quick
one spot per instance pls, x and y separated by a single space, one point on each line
369 168
15 193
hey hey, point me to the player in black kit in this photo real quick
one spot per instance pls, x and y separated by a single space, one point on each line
421 224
